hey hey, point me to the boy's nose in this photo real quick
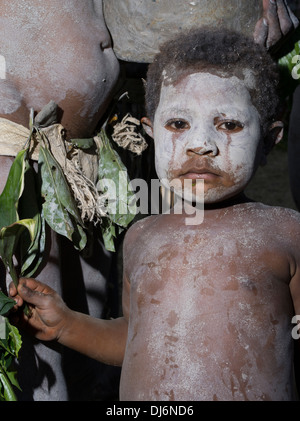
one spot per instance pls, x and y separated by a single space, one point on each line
207 148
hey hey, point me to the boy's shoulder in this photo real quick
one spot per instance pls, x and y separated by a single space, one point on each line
141 226
279 218
138 235
275 218
279 211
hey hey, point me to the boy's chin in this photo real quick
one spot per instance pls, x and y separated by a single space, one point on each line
209 197
217 198
201 196
213 198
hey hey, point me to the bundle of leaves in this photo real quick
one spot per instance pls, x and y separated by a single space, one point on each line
10 345
30 200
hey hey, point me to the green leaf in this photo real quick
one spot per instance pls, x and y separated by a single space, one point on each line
11 346
12 377
14 339
12 191
83 143
16 229
6 304
112 169
8 392
288 60
60 210
108 234
114 180
9 238
30 206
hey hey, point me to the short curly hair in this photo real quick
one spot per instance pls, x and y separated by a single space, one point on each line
223 52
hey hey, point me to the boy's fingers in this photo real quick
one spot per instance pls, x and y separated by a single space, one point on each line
35 285
13 293
12 289
31 296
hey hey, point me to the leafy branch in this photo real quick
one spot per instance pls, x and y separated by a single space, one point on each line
10 346
29 201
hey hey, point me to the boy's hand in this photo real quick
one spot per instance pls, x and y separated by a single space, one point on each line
49 313
277 22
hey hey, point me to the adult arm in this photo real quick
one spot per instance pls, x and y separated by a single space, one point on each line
294 148
277 22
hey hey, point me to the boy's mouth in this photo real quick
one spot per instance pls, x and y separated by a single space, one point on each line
199 174
196 172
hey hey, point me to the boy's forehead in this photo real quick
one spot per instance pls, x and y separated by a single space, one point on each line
207 86
246 76
203 96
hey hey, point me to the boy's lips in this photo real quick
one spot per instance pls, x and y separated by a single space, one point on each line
205 172
199 174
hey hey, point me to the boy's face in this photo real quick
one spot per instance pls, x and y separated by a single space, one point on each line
206 127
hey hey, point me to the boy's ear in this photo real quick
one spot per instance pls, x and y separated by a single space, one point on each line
148 127
276 131
274 135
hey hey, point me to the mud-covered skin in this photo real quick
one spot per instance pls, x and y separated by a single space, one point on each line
191 135
60 51
211 305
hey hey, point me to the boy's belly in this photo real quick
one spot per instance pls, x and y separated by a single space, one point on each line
194 344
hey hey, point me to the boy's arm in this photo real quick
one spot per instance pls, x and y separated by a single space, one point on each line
293 233
295 327
295 289
102 340
51 319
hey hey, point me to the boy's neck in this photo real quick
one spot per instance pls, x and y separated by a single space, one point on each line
210 207
231 201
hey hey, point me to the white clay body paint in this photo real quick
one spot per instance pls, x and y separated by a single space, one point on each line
206 102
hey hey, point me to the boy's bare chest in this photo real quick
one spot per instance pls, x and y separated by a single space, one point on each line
208 254
209 267
192 289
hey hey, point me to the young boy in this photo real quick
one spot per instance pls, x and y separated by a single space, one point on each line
207 308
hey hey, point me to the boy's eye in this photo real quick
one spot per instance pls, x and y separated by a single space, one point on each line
177 125
230 126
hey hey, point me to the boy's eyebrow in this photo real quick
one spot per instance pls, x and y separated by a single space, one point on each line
167 112
175 110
